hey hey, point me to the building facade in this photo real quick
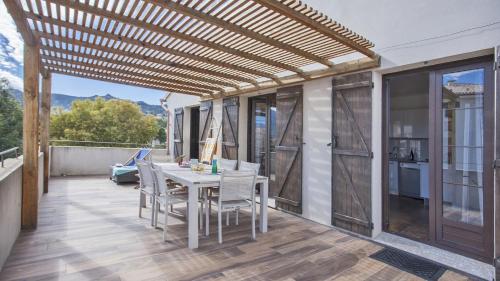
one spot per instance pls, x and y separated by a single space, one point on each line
407 148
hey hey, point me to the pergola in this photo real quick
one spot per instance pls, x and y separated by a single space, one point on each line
205 48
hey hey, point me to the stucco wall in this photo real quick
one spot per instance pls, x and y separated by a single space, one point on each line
80 160
11 180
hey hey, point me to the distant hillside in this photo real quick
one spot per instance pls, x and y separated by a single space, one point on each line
65 101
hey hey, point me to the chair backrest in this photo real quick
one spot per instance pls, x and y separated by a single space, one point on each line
247 166
140 155
160 180
146 176
227 164
237 185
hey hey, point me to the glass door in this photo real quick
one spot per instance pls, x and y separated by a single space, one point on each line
263 136
464 143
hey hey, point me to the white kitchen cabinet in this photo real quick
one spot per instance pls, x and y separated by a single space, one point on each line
424 179
393 177
409 123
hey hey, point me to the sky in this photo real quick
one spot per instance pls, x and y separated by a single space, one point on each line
11 68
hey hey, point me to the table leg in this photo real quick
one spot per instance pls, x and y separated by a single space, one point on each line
264 192
193 217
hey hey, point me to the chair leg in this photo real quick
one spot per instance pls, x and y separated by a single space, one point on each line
165 223
157 210
237 215
207 214
153 209
140 203
227 218
219 224
171 208
200 220
253 221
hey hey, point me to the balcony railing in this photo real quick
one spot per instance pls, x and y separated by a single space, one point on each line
12 151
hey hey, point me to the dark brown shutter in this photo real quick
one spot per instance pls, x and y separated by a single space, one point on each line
351 152
497 167
288 192
178 130
205 122
230 115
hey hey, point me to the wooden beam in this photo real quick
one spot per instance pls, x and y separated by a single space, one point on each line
44 125
88 55
111 72
165 50
291 13
191 12
16 11
340 68
95 75
29 213
179 35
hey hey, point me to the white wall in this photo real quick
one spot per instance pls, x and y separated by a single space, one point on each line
11 184
243 129
217 114
10 205
83 161
176 101
317 160
186 133
407 31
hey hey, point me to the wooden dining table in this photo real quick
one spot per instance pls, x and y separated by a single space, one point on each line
196 182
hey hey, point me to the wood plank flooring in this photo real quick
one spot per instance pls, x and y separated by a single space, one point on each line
89 230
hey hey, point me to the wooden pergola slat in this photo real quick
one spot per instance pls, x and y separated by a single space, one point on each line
87 8
200 72
220 47
118 73
278 6
159 73
162 49
237 29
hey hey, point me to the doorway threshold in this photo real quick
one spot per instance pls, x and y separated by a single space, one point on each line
452 260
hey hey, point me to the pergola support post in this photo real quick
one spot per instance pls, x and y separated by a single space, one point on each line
44 126
29 213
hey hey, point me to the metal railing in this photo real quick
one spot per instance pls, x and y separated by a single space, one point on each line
8 151
101 143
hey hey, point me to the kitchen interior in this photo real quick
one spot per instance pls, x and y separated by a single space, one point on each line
409 155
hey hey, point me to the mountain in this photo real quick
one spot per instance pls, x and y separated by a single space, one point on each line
65 101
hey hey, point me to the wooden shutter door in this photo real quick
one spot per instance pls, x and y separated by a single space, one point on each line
351 152
178 130
230 117
288 194
205 122
497 166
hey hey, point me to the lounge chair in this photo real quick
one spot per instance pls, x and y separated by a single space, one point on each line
127 172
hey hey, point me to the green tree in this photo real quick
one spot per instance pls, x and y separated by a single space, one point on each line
103 121
11 119
162 136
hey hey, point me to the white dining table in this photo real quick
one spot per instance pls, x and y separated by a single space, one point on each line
195 181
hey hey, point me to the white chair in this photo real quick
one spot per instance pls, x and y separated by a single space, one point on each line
236 191
167 188
227 164
248 166
165 197
146 186
224 164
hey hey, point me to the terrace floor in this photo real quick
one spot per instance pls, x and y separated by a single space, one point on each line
89 229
